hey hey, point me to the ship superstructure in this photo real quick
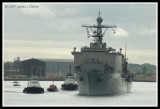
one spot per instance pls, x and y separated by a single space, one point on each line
100 69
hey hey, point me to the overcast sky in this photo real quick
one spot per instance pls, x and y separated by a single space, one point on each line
52 30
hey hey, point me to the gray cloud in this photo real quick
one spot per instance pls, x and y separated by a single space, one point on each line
62 23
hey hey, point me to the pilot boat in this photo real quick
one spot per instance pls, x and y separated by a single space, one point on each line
52 88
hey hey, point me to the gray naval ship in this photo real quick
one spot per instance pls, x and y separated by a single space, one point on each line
100 70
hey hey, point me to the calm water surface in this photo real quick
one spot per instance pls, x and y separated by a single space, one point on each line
142 94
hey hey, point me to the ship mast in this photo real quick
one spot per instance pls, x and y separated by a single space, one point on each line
98 33
34 71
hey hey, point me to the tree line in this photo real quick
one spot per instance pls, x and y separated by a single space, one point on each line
143 69
13 66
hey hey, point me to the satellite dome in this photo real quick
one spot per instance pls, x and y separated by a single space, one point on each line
99 20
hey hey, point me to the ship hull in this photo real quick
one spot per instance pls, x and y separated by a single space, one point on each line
52 90
33 90
91 83
69 86
16 85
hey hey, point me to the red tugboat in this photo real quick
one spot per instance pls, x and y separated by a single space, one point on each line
52 88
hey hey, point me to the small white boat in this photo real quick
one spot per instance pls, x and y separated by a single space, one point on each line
16 83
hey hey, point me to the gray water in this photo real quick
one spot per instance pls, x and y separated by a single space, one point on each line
142 94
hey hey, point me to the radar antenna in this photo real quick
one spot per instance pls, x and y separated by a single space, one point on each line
126 61
98 33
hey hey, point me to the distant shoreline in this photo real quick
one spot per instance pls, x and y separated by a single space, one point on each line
144 81
24 79
30 79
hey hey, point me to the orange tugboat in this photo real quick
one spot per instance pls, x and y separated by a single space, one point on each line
52 88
